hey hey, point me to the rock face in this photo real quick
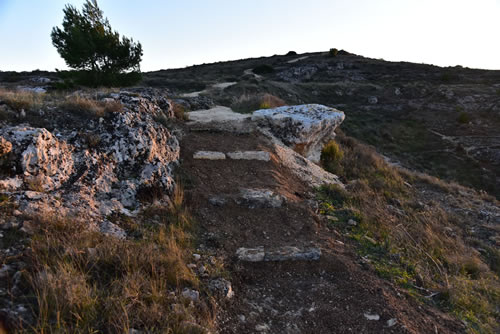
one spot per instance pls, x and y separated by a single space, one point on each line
5 147
43 158
62 171
304 128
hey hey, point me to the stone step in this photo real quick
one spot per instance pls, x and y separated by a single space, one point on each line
209 155
238 155
249 155
285 253
251 198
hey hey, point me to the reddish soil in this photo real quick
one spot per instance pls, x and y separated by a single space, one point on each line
331 295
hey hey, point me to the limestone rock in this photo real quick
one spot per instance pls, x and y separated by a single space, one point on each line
250 155
306 170
5 147
259 198
56 172
304 128
42 155
372 317
221 286
209 155
191 294
286 253
251 254
112 230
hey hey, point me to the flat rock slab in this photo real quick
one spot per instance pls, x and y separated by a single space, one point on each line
250 155
216 114
209 155
259 198
286 253
219 118
304 128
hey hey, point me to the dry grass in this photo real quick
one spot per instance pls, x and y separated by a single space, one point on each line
32 102
86 106
250 103
36 183
85 282
21 100
410 242
179 111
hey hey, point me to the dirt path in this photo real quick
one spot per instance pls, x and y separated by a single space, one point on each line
221 86
250 72
297 59
331 295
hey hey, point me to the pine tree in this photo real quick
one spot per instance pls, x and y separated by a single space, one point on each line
86 42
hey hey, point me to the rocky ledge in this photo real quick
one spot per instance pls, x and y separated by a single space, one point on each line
306 128
96 171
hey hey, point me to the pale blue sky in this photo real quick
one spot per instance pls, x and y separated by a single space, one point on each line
177 33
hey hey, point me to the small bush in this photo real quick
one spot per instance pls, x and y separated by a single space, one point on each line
331 156
179 111
291 53
449 76
263 69
463 118
333 52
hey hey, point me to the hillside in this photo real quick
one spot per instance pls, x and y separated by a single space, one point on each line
181 208
442 121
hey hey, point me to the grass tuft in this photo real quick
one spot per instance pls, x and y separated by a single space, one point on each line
86 282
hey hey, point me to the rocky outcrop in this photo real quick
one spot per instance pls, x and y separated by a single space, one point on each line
94 172
304 128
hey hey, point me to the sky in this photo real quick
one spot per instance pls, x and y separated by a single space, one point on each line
179 33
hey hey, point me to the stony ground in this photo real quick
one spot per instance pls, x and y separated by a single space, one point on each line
278 290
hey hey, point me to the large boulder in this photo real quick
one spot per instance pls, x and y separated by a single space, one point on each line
304 128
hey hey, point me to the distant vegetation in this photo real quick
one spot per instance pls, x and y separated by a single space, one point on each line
88 44
463 118
333 52
263 69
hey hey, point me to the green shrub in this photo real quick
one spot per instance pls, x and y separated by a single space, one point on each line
333 52
291 53
331 156
463 118
263 69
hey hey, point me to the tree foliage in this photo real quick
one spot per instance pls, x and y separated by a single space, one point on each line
87 43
